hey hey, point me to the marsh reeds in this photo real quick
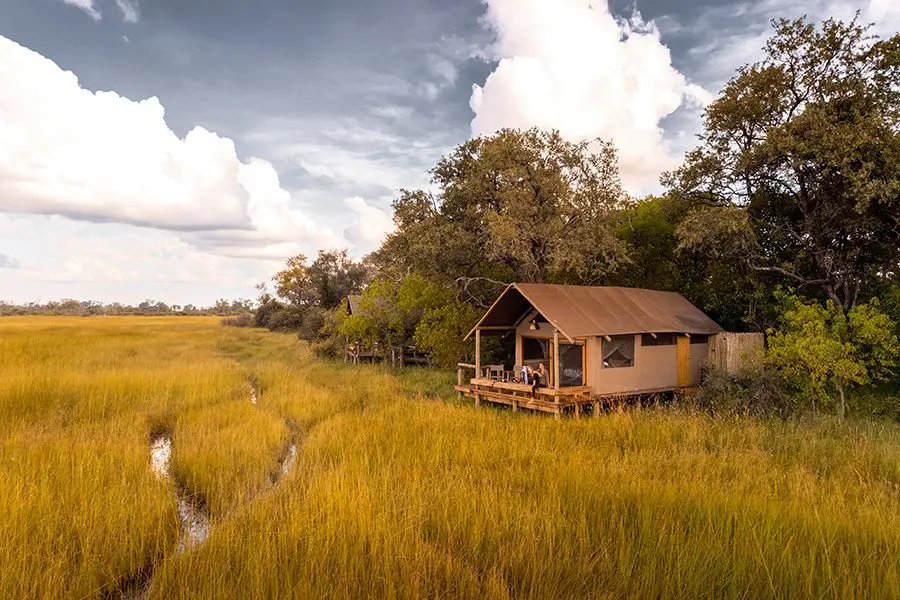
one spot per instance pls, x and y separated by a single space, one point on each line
400 497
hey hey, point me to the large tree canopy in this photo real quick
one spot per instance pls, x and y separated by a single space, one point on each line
798 171
515 206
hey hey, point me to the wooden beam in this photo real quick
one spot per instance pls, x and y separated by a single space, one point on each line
495 328
477 353
555 359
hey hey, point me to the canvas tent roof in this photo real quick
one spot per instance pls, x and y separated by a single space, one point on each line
353 303
582 311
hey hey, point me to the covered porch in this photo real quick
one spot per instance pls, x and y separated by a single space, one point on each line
564 388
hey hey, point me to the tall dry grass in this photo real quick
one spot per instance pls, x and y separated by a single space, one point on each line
393 497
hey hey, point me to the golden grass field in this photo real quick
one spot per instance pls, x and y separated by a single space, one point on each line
399 495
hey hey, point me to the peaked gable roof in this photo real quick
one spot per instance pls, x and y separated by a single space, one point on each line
584 311
353 304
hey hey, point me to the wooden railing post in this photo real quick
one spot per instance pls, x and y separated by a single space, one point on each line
459 380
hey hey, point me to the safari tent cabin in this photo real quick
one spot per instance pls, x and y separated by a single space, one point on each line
356 352
607 341
353 304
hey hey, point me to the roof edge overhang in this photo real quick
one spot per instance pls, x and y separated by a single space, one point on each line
527 299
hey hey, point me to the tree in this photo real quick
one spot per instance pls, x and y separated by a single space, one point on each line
515 206
818 347
333 276
292 284
442 329
324 284
378 321
711 276
798 171
390 315
308 291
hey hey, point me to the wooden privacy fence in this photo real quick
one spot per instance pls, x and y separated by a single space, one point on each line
734 352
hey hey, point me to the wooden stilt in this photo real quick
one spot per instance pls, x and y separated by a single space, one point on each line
515 406
596 408
578 410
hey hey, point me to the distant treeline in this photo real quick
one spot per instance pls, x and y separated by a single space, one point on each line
86 308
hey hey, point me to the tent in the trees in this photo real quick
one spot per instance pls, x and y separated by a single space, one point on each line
595 342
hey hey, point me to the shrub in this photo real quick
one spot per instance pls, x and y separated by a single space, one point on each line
758 392
820 348
241 320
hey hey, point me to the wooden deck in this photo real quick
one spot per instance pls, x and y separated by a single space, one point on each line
574 400
518 395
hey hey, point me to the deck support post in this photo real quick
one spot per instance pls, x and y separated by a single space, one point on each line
477 400
596 409
577 410
556 360
477 353
515 405
558 414
459 380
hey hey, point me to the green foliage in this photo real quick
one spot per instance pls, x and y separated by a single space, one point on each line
324 283
442 330
820 348
798 172
514 206
653 232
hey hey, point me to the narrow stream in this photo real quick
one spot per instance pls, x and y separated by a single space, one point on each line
287 462
254 391
194 523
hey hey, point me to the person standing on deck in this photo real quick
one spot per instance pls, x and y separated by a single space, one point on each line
525 374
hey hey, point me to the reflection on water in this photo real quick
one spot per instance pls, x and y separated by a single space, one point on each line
194 523
290 457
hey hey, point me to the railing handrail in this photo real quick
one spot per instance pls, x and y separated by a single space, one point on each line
465 366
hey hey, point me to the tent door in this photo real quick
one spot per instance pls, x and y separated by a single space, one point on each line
684 361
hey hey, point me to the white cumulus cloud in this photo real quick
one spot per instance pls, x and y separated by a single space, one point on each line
371 226
87 6
131 10
572 66
99 157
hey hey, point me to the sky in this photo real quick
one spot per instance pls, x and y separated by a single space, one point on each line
181 150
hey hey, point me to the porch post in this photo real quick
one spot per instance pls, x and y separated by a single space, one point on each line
477 354
556 359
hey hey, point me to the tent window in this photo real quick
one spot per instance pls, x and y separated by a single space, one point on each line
571 365
699 339
661 339
618 351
